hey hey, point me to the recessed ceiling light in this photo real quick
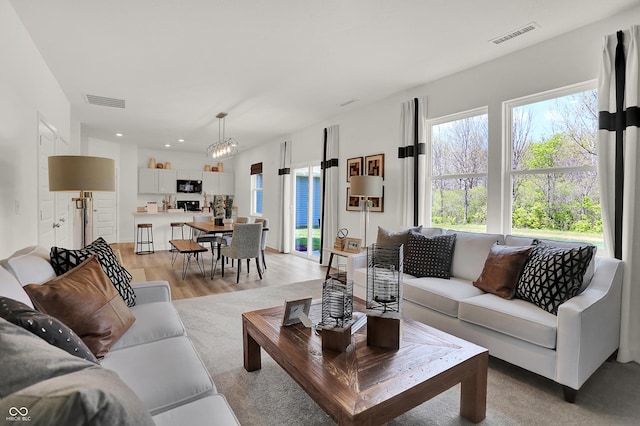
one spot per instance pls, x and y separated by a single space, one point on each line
119 135
167 145
181 140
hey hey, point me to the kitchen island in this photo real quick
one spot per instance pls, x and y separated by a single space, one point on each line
161 222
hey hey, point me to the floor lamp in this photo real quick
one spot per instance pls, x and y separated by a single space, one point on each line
83 174
366 187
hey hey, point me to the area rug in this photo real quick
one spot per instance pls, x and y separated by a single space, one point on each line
270 397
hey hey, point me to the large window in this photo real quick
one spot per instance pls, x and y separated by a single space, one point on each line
458 172
552 172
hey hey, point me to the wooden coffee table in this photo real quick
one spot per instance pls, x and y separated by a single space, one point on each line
370 385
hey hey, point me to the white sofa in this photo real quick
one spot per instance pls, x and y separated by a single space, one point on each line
567 348
154 357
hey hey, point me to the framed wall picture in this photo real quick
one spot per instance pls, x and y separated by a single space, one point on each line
353 203
374 165
354 167
292 310
377 203
352 245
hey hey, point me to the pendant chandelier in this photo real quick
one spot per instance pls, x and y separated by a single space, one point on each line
224 147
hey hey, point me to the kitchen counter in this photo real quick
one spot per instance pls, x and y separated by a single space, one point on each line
161 222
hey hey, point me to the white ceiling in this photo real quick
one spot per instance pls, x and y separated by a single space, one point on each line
276 66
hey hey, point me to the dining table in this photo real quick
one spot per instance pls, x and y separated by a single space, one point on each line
212 228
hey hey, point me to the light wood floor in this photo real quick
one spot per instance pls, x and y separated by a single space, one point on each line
281 269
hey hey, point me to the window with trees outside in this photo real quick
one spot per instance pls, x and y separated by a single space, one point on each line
458 172
552 170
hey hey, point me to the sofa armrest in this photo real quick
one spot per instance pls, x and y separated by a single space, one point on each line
152 291
589 325
356 261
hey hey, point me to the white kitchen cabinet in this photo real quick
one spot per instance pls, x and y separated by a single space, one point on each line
217 183
225 183
147 181
189 174
167 181
156 181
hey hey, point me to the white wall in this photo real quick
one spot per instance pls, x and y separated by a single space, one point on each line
27 89
568 59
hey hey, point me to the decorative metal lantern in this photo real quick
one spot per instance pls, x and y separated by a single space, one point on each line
337 303
384 278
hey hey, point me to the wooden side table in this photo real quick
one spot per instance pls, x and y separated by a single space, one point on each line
338 276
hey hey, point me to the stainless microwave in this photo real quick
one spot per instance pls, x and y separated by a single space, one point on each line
189 186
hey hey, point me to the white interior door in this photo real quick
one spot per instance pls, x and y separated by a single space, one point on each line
53 214
104 216
105 204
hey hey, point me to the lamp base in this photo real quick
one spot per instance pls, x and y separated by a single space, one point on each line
384 332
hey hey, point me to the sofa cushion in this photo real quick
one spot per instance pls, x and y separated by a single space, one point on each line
63 260
86 301
11 288
154 321
175 376
516 318
48 328
26 359
471 252
553 275
94 396
30 265
212 409
394 238
502 270
438 294
513 240
429 256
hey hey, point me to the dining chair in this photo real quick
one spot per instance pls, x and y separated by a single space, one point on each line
225 240
245 244
263 242
203 237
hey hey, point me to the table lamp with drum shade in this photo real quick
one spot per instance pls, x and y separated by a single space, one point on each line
85 175
366 187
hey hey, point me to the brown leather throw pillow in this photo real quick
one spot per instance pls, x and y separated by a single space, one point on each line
85 300
502 270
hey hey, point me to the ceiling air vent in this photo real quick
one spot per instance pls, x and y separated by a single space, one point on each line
104 101
515 33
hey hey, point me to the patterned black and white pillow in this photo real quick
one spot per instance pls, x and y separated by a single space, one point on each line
63 260
553 275
429 256
48 328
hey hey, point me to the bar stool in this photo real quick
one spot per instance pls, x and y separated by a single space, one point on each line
175 225
149 239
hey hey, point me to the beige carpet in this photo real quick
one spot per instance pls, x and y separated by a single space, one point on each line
270 397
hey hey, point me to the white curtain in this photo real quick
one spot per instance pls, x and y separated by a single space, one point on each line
618 160
414 199
330 189
285 195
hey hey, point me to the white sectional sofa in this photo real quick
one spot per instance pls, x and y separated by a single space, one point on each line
567 347
154 359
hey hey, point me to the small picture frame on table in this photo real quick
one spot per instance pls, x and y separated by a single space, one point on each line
352 245
292 310
354 167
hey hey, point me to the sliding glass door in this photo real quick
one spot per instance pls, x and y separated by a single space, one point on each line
306 211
